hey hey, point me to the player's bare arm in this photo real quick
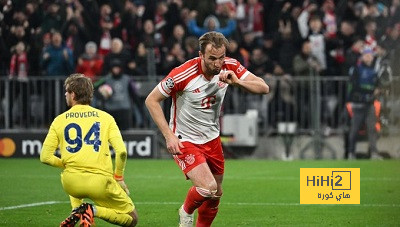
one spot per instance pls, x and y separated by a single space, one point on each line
153 105
251 83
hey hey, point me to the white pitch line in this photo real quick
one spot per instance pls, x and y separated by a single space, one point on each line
32 205
179 203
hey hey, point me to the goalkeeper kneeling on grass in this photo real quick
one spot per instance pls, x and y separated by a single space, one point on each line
82 134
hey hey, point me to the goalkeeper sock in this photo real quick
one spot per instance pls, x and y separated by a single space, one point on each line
193 200
75 202
113 217
207 212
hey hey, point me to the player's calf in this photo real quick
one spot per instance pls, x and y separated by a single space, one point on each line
120 219
208 211
194 199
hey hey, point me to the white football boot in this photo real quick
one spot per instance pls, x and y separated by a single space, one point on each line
185 219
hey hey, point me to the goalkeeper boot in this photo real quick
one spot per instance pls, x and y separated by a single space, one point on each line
185 219
73 218
87 217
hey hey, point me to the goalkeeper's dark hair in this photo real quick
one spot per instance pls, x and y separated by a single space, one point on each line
216 39
82 86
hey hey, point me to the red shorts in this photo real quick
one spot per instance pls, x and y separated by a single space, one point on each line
196 154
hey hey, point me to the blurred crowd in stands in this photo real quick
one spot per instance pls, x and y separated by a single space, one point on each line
281 38
272 38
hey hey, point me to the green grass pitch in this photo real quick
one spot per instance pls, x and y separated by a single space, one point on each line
256 193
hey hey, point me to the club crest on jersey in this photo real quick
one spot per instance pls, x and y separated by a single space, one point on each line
189 159
169 83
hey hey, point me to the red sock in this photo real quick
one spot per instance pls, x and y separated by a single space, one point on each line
207 212
193 200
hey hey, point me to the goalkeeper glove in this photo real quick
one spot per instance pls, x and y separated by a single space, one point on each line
121 182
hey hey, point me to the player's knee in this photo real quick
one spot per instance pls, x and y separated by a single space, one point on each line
134 223
217 195
134 216
212 187
206 192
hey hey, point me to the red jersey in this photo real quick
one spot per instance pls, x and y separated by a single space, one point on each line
196 101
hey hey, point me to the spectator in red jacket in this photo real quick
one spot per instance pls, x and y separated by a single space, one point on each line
19 62
90 63
19 70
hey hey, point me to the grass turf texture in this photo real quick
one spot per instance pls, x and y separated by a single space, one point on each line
256 193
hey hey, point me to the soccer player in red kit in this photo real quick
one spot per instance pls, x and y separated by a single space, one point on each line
197 88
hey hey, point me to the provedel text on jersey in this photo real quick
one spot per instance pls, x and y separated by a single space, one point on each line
81 114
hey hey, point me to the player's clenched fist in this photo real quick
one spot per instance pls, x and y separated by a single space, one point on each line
229 77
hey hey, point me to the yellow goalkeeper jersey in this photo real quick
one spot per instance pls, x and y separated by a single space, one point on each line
83 134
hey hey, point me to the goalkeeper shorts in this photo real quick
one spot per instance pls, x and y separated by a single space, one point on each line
103 190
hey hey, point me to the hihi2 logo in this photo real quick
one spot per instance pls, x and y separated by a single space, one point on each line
329 185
